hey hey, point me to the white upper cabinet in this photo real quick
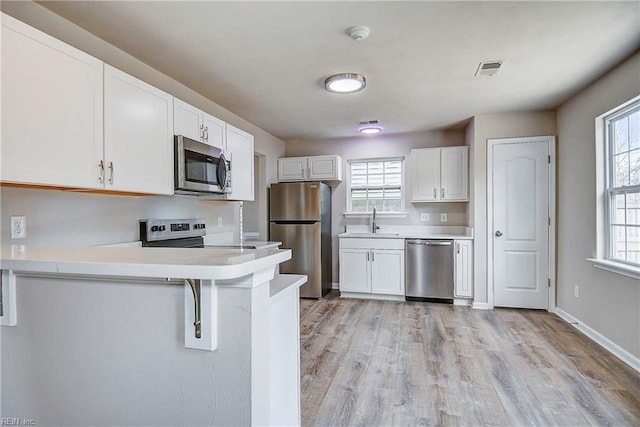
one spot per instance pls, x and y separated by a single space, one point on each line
324 168
240 153
313 168
52 107
292 169
425 166
138 135
187 120
440 174
455 173
198 125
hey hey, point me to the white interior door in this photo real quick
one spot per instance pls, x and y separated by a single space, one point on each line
520 223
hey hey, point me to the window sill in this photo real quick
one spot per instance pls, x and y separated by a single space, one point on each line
616 267
378 214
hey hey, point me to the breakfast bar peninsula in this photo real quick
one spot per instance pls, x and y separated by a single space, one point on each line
149 336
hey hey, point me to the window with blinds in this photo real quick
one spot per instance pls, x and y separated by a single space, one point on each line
623 184
376 183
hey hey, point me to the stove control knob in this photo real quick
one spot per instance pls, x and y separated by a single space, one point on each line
155 228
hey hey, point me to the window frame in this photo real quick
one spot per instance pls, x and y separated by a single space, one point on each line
402 160
610 191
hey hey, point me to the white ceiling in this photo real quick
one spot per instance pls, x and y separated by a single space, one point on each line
266 61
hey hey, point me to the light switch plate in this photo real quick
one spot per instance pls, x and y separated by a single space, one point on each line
425 217
444 217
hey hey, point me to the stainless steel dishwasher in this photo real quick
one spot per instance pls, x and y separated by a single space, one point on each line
429 270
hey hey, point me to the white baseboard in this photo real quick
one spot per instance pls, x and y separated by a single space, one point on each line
360 295
481 306
462 301
605 342
335 285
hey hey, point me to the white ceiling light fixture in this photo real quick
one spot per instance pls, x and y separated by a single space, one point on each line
345 83
369 127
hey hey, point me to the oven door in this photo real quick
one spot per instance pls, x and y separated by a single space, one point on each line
200 168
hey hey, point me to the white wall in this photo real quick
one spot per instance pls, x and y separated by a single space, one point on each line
108 218
360 147
608 303
507 125
57 217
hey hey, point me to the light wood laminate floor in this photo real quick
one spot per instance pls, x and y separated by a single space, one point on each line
383 363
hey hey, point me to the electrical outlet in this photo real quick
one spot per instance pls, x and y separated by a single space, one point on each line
444 217
425 217
576 291
219 222
18 227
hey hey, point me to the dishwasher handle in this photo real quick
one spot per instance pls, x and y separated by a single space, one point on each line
430 242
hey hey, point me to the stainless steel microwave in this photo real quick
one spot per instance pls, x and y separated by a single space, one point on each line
200 168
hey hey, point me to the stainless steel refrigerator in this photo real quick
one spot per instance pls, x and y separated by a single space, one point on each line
300 218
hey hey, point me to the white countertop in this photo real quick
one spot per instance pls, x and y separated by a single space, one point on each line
245 244
409 232
176 263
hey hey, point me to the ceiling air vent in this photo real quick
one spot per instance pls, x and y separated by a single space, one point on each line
368 122
488 68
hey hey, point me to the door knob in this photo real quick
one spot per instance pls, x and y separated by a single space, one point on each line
498 233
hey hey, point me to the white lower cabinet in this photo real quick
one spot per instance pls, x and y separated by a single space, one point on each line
355 270
372 266
463 275
387 272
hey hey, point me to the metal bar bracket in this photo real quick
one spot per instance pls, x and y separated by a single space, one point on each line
8 310
200 314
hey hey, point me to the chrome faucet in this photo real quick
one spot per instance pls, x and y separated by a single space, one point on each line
374 226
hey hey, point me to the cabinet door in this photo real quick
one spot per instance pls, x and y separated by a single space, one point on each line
52 105
387 272
455 173
463 269
354 270
292 169
138 132
187 120
240 151
425 170
324 168
214 131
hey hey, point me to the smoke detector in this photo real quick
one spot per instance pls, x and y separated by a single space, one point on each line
488 68
359 33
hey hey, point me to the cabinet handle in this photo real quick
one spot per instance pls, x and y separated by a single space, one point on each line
206 133
458 247
101 171
308 172
201 131
435 193
443 193
373 258
368 253
111 170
